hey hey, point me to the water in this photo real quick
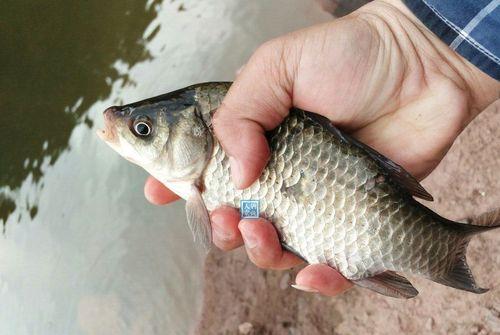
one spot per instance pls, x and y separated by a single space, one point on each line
82 252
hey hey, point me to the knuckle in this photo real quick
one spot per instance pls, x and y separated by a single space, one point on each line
268 48
221 246
263 260
221 121
262 264
276 61
272 56
217 119
226 246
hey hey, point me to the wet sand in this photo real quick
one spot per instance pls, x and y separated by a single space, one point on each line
242 299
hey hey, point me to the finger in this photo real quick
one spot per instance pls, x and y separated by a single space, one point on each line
328 5
263 246
225 232
258 100
157 194
321 278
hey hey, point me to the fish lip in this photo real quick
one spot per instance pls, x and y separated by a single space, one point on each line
108 133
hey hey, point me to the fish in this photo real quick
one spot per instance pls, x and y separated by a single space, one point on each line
332 199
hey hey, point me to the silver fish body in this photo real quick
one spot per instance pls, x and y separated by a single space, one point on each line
335 201
330 204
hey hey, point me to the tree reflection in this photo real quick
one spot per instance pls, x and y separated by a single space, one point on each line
56 60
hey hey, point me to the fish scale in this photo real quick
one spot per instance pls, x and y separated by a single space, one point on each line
332 199
328 208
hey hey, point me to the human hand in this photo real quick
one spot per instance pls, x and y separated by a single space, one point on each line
377 73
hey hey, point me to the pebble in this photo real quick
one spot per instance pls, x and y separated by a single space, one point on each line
245 328
285 281
429 324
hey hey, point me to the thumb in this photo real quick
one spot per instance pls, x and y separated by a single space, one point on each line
258 100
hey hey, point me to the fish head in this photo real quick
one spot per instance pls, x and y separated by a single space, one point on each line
165 135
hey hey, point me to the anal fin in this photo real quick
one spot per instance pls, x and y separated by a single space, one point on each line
390 284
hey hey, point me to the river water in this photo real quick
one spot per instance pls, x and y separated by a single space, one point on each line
82 252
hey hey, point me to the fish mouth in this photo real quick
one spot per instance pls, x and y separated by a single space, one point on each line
108 134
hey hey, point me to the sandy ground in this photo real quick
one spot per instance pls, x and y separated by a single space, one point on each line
242 299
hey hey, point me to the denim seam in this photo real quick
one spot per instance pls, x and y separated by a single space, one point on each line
468 39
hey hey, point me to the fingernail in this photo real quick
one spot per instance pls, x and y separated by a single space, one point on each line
219 230
250 240
240 69
236 172
305 288
223 235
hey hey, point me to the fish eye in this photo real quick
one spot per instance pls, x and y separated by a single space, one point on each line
142 128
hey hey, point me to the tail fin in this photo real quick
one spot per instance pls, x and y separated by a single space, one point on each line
460 275
485 221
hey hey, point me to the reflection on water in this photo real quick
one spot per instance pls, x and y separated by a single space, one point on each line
83 252
59 61
7 206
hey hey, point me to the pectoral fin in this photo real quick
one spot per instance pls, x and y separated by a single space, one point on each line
390 284
198 219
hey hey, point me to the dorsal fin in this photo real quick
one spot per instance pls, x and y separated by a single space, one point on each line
396 172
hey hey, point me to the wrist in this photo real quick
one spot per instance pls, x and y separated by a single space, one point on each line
481 90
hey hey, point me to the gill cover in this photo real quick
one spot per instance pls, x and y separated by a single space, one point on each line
189 146
187 153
